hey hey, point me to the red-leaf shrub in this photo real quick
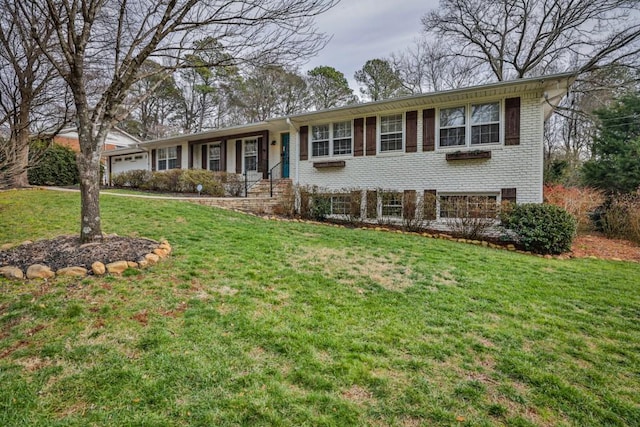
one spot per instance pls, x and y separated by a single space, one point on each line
579 202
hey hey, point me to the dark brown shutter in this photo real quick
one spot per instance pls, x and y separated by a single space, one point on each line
179 156
512 121
358 137
190 147
409 204
153 159
371 136
205 156
429 129
355 204
263 155
304 142
412 132
372 204
509 195
239 156
430 204
223 155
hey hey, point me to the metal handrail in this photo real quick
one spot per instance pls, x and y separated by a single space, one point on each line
271 178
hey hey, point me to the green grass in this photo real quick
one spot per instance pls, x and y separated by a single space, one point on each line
254 322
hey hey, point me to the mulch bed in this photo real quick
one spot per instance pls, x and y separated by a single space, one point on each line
599 246
67 251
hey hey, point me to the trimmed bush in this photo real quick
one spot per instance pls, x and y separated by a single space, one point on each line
133 178
57 167
210 181
541 228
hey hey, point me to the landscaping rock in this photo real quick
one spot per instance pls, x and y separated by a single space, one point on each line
39 271
132 264
72 271
162 253
151 258
117 267
143 263
12 272
98 268
6 246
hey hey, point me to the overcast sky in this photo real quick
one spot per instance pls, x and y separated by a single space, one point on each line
368 29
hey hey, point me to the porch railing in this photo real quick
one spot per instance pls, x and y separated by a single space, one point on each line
274 174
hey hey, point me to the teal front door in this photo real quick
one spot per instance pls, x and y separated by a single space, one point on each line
285 155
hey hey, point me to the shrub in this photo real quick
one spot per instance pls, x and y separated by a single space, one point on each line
469 217
619 217
164 181
579 202
541 228
233 183
134 178
211 182
57 167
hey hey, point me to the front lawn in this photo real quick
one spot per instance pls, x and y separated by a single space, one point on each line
254 322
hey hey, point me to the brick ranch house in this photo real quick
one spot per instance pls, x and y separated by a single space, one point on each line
483 143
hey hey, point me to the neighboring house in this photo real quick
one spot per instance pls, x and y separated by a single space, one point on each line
483 141
116 138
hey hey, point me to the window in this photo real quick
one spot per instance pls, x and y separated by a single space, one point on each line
214 157
138 157
128 158
167 158
117 159
485 123
391 133
320 140
341 138
468 206
340 204
452 127
251 155
334 138
481 126
392 204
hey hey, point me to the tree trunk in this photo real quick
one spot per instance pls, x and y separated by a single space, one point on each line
21 178
90 222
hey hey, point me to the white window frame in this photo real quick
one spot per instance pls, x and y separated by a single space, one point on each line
331 140
468 125
212 157
246 155
381 134
391 201
466 195
166 155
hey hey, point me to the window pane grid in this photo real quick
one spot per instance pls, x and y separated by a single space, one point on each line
392 205
341 146
468 206
251 155
320 148
391 133
340 205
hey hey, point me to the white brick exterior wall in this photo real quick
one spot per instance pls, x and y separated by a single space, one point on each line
519 166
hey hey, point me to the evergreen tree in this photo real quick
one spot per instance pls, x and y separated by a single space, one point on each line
615 163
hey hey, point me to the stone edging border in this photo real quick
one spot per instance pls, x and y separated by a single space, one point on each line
39 271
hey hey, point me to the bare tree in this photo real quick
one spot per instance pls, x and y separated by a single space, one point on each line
105 42
428 66
31 100
520 38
